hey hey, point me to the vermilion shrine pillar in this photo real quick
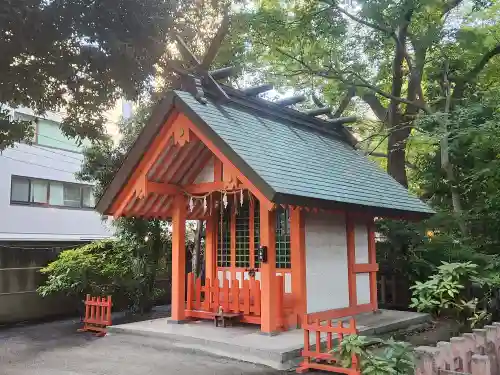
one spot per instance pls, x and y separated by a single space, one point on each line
179 258
269 312
210 247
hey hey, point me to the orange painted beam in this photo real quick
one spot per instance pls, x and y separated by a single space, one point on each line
207 187
340 313
298 259
372 258
269 313
178 258
351 260
217 170
143 188
365 268
204 187
148 187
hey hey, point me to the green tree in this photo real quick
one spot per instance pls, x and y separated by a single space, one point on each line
383 54
148 239
80 56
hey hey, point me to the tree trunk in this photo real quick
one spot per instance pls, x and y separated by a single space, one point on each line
396 154
446 165
196 259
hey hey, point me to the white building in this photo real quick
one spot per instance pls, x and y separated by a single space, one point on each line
40 198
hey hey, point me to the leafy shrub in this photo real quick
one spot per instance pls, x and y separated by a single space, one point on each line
389 357
447 291
107 267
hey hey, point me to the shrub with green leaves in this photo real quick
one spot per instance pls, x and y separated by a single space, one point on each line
388 357
107 267
445 293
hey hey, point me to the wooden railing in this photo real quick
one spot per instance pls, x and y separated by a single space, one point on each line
203 299
319 355
97 314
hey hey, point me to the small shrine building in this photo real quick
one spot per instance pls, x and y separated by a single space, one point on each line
288 201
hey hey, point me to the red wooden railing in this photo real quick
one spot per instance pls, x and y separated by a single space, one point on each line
244 298
97 314
320 357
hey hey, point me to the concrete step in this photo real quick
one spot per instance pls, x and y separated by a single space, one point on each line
246 343
274 358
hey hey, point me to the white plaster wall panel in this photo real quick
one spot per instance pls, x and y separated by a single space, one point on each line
326 262
220 277
258 277
239 277
287 277
228 277
363 288
361 243
207 173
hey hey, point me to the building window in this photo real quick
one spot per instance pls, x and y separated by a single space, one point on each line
224 237
35 191
283 259
242 230
256 231
243 236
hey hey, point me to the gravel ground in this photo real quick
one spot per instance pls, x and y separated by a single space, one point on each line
57 349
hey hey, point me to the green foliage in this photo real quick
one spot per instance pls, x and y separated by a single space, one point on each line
101 268
82 55
447 292
387 358
442 290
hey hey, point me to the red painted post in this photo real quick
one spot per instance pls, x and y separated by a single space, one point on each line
225 294
257 297
235 292
318 336
207 296
98 310
87 308
246 297
216 292
280 307
197 302
190 286
110 304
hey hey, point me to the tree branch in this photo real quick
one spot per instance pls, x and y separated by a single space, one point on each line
375 105
369 24
344 102
364 83
474 72
385 30
450 5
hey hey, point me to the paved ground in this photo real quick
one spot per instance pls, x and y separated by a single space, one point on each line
56 349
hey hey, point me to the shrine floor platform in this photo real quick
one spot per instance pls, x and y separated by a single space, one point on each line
246 343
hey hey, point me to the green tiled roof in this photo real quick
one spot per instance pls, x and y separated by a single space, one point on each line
300 161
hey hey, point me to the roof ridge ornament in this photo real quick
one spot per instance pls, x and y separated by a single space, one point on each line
198 75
